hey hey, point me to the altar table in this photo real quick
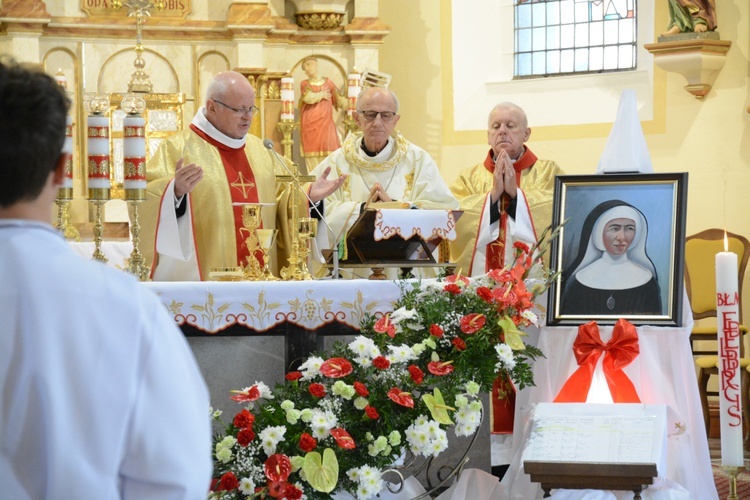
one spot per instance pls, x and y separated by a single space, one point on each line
301 311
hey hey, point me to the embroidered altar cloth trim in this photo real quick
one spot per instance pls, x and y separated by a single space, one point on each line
428 224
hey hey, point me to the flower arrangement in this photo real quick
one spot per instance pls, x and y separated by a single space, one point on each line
408 378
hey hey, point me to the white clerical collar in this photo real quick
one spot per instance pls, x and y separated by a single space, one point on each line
200 121
382 156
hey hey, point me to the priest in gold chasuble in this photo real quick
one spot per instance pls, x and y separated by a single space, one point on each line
192 220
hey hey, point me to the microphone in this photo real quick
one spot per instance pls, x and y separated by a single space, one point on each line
268 144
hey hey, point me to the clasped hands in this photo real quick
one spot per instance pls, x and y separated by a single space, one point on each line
504 178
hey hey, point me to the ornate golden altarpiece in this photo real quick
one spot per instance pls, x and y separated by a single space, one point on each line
182 47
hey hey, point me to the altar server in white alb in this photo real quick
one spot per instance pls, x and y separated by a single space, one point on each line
379 165
101 396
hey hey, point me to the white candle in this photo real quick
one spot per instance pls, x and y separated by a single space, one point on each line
287 98
354 87
98 156
727 317
134 156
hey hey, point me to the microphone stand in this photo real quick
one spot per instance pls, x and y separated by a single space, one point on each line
335 255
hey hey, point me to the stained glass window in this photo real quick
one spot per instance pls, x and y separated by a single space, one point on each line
554 37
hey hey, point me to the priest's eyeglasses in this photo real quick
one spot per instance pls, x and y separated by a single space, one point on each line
370 115
239 111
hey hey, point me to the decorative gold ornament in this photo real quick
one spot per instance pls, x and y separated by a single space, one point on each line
319 21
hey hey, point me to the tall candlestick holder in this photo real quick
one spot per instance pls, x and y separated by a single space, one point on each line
134 168
287 127
297 268
98 166
65 191
251 221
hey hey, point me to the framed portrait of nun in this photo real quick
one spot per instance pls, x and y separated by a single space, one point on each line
620 251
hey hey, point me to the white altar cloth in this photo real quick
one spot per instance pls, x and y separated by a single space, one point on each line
262 305
116 252
663 373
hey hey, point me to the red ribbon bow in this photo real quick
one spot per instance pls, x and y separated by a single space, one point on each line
619 352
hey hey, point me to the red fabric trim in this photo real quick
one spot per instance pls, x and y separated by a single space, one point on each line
503 410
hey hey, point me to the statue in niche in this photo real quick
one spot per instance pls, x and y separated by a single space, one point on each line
691 16
318 104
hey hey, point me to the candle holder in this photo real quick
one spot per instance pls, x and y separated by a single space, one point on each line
136 263
732 472
63 223
297 268
65 191
287 127
350 125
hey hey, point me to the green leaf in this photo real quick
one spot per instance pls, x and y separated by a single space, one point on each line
512 334
322 474
437 407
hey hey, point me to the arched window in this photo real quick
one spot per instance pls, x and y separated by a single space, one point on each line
557 37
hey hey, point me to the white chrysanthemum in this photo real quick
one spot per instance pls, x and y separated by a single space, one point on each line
400 353
363 361
505 356
322 422
364 347
270 437
214 412
311 367
264 390
403 314
353 474
247 486
531 317
438 445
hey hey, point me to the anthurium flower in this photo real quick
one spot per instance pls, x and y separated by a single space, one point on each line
400 397
384 325
277 467
438 409
512 334
472 323
440 368
322 473
457 279
247 395
336 368
343 439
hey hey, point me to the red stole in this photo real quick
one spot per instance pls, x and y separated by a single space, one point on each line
242 189
496 249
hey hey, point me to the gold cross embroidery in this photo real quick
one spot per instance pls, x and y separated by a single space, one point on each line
241 184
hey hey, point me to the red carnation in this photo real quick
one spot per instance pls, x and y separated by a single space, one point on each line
453 288
245 436
485 294
417 375
523 247
277 467
361 389
277 489
472 323
384 325
343 439
244 419
247 396
372 412
381 363
440 367
293 376
336 367
436 331
401 397
459 344
307 443
317 390
229 481
292 492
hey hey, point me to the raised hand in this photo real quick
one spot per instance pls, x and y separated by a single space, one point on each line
186 177
322 187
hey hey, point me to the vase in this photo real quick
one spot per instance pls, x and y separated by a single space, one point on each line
319 15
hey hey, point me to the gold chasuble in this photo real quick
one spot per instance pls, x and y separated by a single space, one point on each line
537 180
212 223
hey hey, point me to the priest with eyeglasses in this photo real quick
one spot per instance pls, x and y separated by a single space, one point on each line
378 165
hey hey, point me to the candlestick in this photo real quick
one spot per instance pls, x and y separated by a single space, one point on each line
287 98
134 148
727 317
354 87
98 166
